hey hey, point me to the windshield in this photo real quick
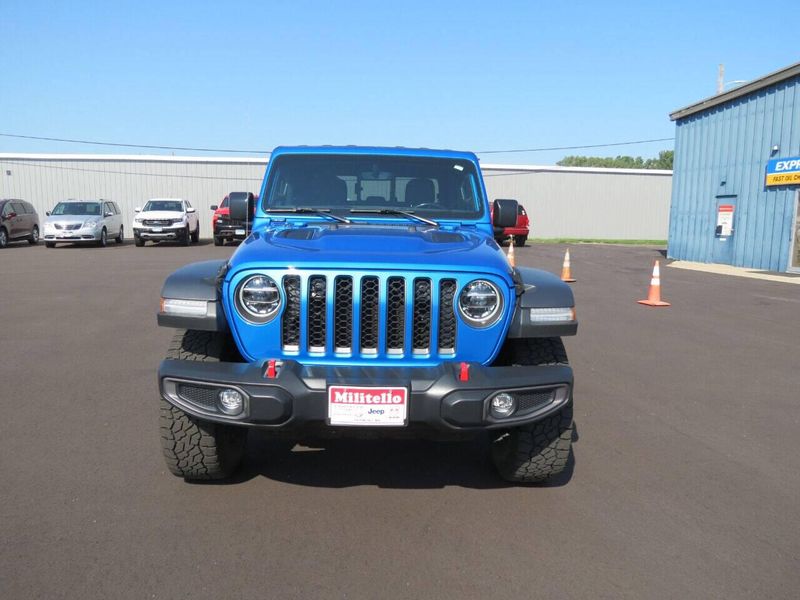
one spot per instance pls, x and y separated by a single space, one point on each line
77 208
439 188
168 205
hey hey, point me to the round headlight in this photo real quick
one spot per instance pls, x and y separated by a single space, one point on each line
480 303
258 298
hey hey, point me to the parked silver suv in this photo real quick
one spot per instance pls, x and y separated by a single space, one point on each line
84 221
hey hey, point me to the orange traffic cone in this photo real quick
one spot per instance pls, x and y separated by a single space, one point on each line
511 260
654 295
566 272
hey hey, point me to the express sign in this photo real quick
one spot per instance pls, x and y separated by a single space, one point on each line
783 171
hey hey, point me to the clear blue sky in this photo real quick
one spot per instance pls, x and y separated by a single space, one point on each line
465 75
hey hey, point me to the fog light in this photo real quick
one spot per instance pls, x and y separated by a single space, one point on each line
503 405
231 401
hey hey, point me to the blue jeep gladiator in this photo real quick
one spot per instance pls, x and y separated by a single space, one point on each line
370 299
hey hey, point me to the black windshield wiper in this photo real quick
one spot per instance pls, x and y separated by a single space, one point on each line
394 211
324 212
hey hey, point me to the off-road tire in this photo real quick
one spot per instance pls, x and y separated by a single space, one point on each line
519 240
50 244
218 241
186 238
33 239
137 241
536 452
195 449
196 234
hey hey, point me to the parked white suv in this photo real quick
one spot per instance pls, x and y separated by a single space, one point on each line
166 219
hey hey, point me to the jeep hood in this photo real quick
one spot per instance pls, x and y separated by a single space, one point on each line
371 246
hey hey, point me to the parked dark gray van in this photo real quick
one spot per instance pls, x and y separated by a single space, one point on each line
18 221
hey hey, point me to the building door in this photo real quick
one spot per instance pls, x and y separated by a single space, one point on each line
794 257
724 231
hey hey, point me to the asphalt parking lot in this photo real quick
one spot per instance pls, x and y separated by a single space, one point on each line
685 481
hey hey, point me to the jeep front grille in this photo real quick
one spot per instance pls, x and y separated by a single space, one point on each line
369 315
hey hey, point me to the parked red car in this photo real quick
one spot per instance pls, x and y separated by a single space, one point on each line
519 232
226 229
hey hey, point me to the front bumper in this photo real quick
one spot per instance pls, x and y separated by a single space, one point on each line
296 395
73 235
230 232
516 231
165 233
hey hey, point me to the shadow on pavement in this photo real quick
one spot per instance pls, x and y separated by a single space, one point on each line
393 464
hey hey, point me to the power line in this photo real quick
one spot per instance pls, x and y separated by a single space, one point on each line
105 172
231 150
669 139
119 145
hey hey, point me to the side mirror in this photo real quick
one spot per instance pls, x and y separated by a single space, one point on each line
504 213
137 209
47 213
214 207
239 204
190 209
109 214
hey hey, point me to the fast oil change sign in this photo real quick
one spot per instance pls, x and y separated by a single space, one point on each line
783 171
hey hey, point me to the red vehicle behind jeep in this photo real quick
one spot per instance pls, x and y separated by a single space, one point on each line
226 229
519 232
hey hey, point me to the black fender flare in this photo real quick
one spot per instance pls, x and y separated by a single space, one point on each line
196 281
540 289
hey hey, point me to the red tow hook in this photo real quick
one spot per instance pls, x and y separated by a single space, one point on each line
272 369
463 374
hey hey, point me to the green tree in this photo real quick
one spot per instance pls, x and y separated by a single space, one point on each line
663 161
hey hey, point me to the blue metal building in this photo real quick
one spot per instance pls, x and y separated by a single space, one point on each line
736 177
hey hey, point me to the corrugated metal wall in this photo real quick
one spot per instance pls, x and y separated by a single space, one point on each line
130 181
561 202
732 143
592 204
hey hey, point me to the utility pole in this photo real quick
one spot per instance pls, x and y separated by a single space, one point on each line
720 78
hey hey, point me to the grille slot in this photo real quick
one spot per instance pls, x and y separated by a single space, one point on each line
343 314
290 322
201 396
395 315
317 307
447 316
369 315
421 334
533 399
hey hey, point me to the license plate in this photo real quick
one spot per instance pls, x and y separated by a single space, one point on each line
367 406
240 232
156 229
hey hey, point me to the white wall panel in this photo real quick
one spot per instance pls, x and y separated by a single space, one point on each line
562 202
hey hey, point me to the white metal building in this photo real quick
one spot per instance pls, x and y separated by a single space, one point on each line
562 202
